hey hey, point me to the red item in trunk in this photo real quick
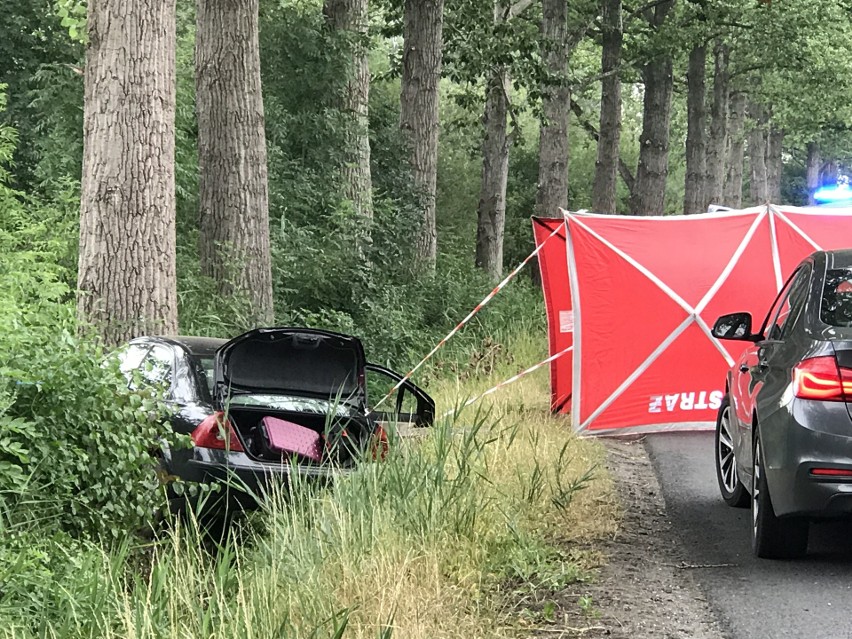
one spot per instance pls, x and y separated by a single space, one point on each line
289 438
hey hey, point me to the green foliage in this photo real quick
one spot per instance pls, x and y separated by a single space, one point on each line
75 445
69 427
449 519
41 66
72 15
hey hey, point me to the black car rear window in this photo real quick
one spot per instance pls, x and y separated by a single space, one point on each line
836 305
207 367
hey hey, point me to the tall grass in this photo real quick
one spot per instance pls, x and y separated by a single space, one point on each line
437 541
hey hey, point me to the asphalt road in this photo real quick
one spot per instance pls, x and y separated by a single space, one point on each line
753 598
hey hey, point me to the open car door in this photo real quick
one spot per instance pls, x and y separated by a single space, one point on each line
409 406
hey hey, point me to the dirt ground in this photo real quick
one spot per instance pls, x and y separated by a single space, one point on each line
645 589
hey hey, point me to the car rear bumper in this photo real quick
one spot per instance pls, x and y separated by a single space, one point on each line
814 435
244 480
798 493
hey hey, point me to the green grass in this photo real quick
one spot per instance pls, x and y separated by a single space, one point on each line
453 536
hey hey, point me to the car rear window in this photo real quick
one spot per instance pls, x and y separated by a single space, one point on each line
836 305
207 367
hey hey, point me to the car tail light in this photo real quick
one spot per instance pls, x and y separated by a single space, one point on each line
381 446
831 472
821 378
217 431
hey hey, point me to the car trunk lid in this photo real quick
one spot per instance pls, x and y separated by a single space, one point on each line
843 354
291 362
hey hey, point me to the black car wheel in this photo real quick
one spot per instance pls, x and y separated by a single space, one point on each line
732 489
773 538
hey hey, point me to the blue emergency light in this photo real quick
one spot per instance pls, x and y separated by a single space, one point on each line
840 193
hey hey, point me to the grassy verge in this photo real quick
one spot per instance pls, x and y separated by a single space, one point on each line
448 538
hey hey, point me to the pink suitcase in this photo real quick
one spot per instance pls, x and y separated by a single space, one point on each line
283 438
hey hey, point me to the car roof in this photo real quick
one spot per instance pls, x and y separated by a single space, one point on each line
839 259
198 346
207 346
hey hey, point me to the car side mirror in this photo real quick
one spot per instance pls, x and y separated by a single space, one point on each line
735 326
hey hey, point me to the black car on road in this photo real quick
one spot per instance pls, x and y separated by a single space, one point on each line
784 429
220 391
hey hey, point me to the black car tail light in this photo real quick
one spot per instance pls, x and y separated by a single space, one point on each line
822 379
216 431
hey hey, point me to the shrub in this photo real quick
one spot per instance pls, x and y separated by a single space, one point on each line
73 438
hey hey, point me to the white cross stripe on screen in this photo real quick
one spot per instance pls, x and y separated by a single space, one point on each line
578 323
795 227
776 258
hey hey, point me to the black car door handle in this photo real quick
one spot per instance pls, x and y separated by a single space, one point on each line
744 368
763 365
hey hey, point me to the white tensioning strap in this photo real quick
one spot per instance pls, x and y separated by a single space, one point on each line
478 307
512 379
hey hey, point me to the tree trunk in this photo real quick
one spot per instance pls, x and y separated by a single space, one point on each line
649 193
126 274
736 151
351 17
606 165
421 74
233 189
812 174
774 164
491 212
556 103
718 129
693 198
758 187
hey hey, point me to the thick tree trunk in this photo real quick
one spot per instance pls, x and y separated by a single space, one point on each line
736 151
606 165
556 104
649 192
774 164
717 142
812 173
759 186
693 198
352 18
126 274
421 74
233 189
491 212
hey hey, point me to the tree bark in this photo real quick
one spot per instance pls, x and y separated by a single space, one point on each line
736 151
774 164
717 142
812 173
693 198
648 196
126 274
351 18
552 191
758 187
421 74
606 165
233 185
491 212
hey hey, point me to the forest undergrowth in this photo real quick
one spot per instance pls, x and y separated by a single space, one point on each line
465 530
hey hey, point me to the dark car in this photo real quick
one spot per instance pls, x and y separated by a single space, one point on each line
221 392
784 429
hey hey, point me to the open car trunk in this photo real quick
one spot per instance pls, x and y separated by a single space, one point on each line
311 378
341 437
291 362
